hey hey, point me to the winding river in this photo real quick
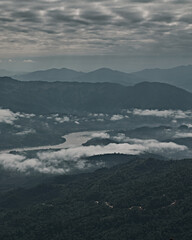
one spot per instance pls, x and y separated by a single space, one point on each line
75 139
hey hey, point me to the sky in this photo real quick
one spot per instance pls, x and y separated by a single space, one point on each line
84 35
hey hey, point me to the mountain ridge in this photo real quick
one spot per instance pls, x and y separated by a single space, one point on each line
60 97
179 76
49 74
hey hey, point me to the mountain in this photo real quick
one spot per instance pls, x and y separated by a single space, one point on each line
179 76
109 75
142 199
68 75
61 97
51 75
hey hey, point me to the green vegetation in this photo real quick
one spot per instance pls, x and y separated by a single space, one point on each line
139 200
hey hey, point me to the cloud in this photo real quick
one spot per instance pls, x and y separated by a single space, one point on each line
100 135
136 27
28 61
183 135
56 163
189 125
143 1
117 117
134 147
186 18
163 17
178 114
21 164
95 16
62 119
166 149
58 118
134 16
6 116
25 132
25 115
75 157
26 16
155 112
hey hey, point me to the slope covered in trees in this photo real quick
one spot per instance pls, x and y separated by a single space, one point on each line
61 97
142 199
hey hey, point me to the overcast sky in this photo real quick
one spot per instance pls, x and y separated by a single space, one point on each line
122 34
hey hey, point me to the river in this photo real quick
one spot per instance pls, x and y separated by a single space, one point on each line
75 139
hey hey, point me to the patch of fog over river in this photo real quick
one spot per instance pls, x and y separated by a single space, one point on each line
71 155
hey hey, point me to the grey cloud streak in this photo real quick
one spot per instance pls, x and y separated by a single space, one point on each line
67 160
73 27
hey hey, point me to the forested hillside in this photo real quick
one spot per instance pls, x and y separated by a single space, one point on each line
62 97
139 200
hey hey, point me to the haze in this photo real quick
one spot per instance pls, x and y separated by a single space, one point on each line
125 35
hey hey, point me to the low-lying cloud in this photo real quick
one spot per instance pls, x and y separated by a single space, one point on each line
62 119
183 135
178 114
100 135
26 132
75 158
135 147
117 117
8 117
22 164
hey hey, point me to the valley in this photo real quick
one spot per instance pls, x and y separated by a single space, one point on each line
95 120
80 160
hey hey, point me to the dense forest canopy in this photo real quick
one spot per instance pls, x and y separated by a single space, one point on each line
142 199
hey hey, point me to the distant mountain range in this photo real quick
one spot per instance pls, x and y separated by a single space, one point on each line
179 76
63 97
68 75
4 72
51 75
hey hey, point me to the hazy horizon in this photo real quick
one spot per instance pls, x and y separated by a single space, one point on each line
91 63
123 35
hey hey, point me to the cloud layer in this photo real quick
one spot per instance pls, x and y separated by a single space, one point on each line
95 27
7 116
75 158
177 114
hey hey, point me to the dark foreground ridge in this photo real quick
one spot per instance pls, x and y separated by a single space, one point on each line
63 97
142 199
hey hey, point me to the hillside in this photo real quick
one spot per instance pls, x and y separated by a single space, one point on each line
142 199
179 76
45 97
